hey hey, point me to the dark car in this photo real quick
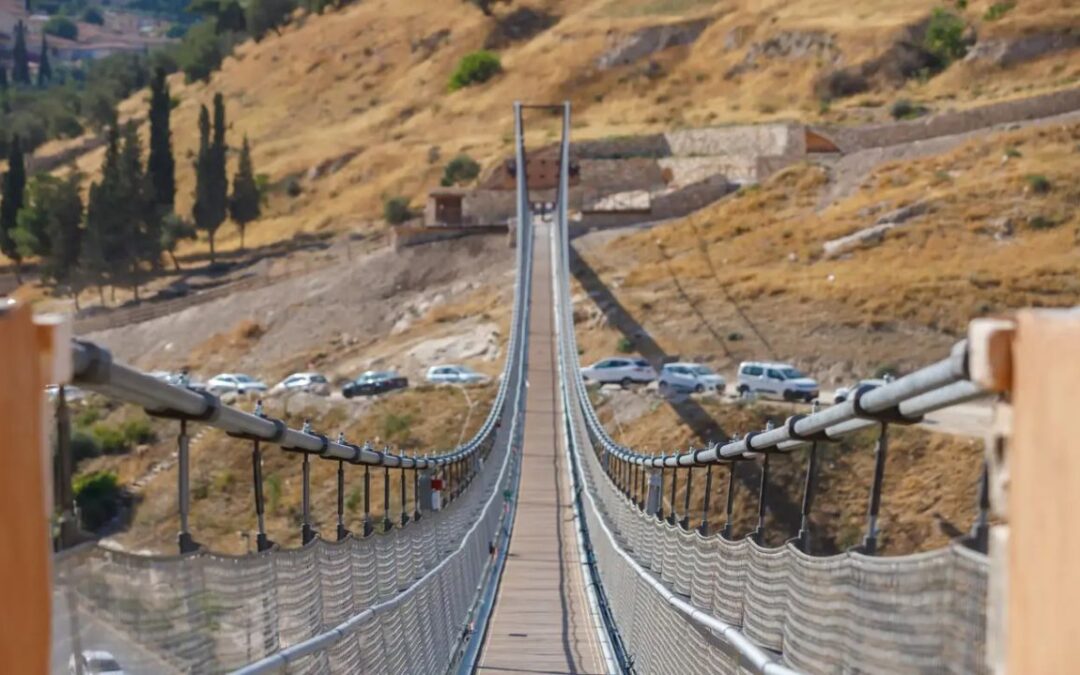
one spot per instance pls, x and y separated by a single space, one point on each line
373 383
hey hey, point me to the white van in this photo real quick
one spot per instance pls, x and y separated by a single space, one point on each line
777 379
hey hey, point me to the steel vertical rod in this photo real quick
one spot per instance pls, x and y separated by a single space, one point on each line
660 495
387 523
262 542
341 531
803 539
404 502
980 533
65 498
704 529
763 499
643 487
881 450
674 482
307 533
416 494
185 540
685 522
369 527
730 509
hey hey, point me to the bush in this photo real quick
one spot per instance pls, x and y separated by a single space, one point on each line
1038 183
83 446
1013 153
93 15
395 426
267 15
396 210
998 10
110 439
352 502
201 53
176 31
624 345
475 68
97 495
138 431
62 27
1041 223
905 109
945 36
460 169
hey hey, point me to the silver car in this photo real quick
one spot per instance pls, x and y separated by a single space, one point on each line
620 370
690 377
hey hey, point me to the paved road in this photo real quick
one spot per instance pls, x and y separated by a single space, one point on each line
96 634
541 622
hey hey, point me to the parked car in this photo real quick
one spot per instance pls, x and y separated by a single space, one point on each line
178 379
454 375
373 383
621 370
238 383
95 662
842 393
778 379
312 383
690 377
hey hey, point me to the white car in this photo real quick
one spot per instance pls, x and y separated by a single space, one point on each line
454 375
690 377
95 662
778 379
312 383
842 393
238 383
620 370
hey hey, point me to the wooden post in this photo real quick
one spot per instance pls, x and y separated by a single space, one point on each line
29 356
1034 457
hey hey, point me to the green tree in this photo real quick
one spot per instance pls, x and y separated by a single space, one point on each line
475 68
93 15
161 165
62 27
211 182
12 194
231 18
3 78
49 228
244 205
175 229
460 169
20 58
44 73
264 16
945 36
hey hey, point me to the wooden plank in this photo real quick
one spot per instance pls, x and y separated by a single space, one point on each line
1043 610
541 622
25 570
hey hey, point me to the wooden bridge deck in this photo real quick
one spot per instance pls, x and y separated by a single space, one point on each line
542 622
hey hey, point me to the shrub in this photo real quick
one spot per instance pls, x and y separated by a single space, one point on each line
945 36
273 492
97 495
624 345
475 68
396 210
998 10
734 337
1038 183
1041 223
352 502
1013 153
83 446
176 31
395 425
905 109
460 169
138 431
223 480
93 15
110 439
62 27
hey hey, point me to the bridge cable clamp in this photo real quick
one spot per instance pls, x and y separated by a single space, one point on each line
809 438
213 408
888 416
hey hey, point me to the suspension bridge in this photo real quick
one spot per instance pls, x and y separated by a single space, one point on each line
541 544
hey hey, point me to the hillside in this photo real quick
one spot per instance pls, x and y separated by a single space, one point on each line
353 106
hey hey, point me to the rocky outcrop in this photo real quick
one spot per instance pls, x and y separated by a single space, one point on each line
873 235
1005 52
648 41
522 24
791 46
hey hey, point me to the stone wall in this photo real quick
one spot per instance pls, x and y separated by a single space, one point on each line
691 198
850 139
745 140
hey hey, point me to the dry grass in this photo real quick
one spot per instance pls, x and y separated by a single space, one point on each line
354 87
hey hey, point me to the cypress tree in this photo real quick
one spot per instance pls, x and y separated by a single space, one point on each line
44 73
20 68
12 195
3 78
161 166
244 205
104 250
211 181
49 228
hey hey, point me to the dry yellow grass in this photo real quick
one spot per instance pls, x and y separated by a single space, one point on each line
356 82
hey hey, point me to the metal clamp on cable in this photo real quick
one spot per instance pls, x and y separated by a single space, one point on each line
796 436
209 414
888 416
279 432
92 363
751 451
358 452
324 445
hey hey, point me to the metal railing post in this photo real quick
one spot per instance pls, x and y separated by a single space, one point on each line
704 529
802 541
64 497
763 494
185 541
416 493
980 531
674 480
307 533
369 527
685 522
730 508
404 502
660 495
881 449
387 523
341 531
262 542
